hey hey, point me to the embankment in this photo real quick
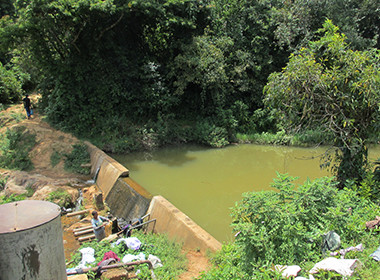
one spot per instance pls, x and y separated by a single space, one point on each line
127 199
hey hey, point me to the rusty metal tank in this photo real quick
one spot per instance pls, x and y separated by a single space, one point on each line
31 243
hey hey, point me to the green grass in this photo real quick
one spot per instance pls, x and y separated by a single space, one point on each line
15 145
174 263
55 158
11 198
60 197
78 156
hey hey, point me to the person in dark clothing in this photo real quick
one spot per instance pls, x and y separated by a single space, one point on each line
27 106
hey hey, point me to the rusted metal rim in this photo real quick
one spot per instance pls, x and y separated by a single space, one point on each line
26 214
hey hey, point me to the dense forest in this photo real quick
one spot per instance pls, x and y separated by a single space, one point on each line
138 74
131 75
135 74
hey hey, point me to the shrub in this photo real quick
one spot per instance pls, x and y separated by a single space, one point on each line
60 197
75 160
3 181
11 198
287 226
55 158
10 85
211 135
15 149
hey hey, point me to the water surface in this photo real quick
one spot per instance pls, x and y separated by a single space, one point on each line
205 183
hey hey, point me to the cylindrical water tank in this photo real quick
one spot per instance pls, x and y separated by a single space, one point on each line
31 242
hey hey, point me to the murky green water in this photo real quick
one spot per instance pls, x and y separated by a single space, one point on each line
204 183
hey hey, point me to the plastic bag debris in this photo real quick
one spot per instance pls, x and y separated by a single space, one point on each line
344 267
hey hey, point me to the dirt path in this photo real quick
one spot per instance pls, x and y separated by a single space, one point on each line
196 264
46 177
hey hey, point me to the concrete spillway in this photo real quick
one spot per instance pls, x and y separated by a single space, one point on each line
127 199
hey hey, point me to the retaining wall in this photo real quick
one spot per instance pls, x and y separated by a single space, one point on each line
178 226
129 200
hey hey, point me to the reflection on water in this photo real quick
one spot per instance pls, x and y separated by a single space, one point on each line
205 183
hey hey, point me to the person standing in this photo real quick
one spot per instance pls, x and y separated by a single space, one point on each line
27 106
98 225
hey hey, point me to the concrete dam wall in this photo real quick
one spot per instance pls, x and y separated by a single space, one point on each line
128 200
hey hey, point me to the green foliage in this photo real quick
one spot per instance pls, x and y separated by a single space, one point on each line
15 147
10 85
331 87
60 197
287 226
174 263
3 181
368 188
298 20
55 158
92 88
210 134
312 137
11 198
228 264
78 156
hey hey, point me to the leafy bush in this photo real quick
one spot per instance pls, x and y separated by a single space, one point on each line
10 85
279 138
3 181
15 148
265 120
228 264
174 263
287 226
368 188
78 156
11 198
210 134
312 137
60 197
55 158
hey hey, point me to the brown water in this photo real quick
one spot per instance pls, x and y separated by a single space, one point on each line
205 183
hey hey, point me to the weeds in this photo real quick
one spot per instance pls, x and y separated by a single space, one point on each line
11 198
55 158
3 181
287 227
78 156
15 148
60 197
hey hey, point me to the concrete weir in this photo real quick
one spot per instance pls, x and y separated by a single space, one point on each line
127 199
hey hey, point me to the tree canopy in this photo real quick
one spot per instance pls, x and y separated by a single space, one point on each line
106 67
331 86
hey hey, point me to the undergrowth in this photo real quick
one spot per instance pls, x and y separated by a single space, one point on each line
287 227
15 146
74 161
174 263
60 197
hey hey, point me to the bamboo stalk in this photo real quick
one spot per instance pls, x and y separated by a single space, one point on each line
82 228
77 213
85 238
78 233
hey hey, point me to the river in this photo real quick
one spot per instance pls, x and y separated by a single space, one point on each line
205 183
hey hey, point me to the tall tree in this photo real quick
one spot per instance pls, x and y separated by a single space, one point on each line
298 20
105 61
331 86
